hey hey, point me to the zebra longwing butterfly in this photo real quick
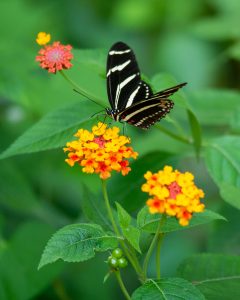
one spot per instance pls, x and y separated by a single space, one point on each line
132 99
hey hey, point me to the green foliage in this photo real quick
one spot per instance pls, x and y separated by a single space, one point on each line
40 112
222 159
149 223
21 259
216 276
131 233
166 289
77 243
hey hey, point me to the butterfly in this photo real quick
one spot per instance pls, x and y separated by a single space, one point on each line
132 99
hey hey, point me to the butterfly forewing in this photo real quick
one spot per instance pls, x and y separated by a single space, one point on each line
124 85
132 99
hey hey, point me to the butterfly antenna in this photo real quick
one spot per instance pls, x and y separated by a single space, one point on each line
87 97
98 113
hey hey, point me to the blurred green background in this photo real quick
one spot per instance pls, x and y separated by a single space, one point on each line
194 41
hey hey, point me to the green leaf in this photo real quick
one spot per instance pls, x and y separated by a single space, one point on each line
94 210
53 130
163 81
19 276
127 190
149 222
76 243
215 106
131 233
196 131
234 51
218 28
216 276
223 163
167 289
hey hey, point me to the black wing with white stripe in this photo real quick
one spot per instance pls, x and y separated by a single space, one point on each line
124 84
132 99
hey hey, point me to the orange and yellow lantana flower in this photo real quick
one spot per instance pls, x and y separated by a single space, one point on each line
100 151
173 193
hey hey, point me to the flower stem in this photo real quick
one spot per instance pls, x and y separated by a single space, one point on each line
150 250
121 284
132 258
158 250
80 90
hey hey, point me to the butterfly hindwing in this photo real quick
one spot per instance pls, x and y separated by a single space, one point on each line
145 113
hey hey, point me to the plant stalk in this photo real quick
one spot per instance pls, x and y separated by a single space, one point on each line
121 284
152 245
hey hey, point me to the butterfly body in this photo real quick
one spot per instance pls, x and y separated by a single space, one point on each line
132 100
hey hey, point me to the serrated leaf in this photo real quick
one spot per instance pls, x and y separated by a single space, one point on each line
223 163
76 243
167 289
216 276
131 233
149 222
53 130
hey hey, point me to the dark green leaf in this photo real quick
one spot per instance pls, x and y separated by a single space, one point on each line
196 131
131 233
19 277
76 243
167 289
149 222
94 209
223 162
130 195
216 276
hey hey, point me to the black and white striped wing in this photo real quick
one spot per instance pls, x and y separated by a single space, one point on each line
145 113
124 84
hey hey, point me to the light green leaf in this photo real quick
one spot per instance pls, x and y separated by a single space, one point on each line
76 243
149 222
216 276
215 106
218 28
223 163
53 130
162 81
131 233
167 289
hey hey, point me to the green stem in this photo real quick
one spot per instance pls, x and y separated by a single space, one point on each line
150 250
173 135
131 257
122 286
158 250
80 90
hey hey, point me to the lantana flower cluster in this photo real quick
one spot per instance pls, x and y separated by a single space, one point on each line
54 57
173 193
101 151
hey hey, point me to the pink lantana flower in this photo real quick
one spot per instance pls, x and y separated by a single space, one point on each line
55 57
